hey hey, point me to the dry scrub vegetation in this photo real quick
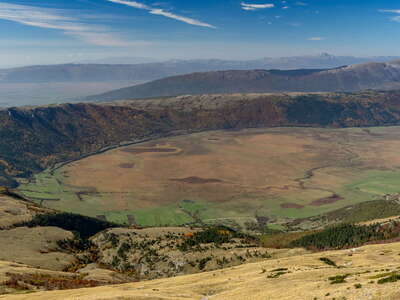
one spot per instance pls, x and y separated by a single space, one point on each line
368 272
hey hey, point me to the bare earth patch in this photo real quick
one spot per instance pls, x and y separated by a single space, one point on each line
327 200
127 165
292 205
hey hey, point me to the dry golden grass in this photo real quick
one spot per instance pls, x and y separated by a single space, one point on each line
14 211
306 278
381 221
36 247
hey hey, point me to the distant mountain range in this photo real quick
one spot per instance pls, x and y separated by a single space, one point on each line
128 60
378 76
123 71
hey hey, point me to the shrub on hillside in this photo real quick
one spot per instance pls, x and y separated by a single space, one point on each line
341 236
47 282
217 235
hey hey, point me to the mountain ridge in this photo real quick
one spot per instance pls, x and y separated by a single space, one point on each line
343 79
103 71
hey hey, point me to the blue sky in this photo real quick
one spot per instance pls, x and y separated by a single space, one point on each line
58 31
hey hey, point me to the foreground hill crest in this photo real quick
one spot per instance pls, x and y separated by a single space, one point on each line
358 277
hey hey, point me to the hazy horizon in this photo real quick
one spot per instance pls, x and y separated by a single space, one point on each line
143 60
59 31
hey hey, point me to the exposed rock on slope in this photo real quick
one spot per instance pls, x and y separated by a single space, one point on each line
35 138
363 274
352 78
166 252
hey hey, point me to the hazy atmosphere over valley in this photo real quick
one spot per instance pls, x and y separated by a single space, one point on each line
200 150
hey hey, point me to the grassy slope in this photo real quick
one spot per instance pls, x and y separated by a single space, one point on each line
255 281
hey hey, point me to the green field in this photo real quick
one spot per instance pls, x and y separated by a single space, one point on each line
226 176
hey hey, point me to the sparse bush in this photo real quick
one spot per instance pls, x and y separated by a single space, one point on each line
75 245
203 262
338 279
47 282
391 278
276 275
279 270
328 261
217 235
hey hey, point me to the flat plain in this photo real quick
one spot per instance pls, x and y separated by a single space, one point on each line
227 176
41 93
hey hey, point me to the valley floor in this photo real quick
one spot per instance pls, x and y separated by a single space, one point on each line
298 277
227 177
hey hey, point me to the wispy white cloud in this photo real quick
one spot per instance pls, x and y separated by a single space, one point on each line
162 12
59 20
251 7
179 18
105 39
392 11
38 17
395 11
132 4
316 38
